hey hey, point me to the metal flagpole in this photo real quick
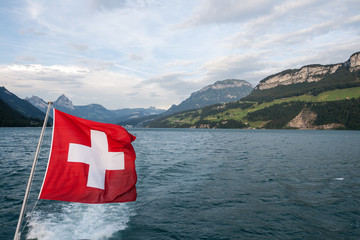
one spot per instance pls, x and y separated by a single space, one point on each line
17 233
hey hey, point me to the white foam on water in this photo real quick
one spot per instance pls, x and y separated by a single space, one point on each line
79 221
339 179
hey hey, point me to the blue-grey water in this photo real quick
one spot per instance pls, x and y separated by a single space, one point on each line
201 184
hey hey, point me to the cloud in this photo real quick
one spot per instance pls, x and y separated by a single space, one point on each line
79 47
43 76
34 9
136 57
123 53
291 22
176 83
101 5
179 63
245 67
114 23
302 36
86 85
32 31
77 81
227 11
25 59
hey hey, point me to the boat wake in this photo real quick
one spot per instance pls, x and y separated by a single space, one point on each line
79 221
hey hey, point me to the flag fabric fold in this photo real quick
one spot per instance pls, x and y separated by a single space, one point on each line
89 162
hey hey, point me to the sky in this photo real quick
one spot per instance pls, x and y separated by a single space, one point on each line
155 53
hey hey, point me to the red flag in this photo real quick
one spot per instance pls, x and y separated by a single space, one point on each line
89 162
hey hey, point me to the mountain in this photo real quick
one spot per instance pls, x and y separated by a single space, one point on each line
334 109
9 117
310 79
38 103
95 112
20 105
220 92
64 104
313 97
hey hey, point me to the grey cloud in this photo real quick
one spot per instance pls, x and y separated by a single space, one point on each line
95 64
45 74
32 31
25 59
136 57
79 47
121 4
23 86
110 4
174 82
245 67
154 94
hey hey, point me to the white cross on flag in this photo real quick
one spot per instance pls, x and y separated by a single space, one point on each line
89 162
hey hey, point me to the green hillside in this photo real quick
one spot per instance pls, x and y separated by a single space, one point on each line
20 105
11 118
340 106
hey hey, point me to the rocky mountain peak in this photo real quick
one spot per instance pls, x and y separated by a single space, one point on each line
220 92
354 62
64 102
37 102
228 83
309 73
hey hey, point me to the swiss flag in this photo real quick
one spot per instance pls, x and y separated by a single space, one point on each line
89 162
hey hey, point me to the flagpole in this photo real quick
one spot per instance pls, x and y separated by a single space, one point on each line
17 233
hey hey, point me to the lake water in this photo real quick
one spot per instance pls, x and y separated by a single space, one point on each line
201 184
